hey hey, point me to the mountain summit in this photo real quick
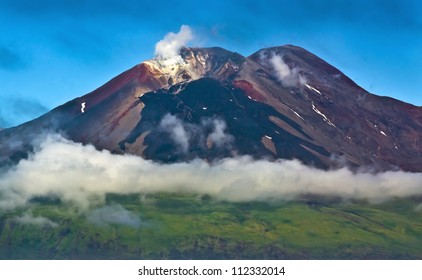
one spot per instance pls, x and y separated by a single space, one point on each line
282 102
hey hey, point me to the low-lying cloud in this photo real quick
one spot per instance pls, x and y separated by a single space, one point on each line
113 215
28 219
80 174
168 48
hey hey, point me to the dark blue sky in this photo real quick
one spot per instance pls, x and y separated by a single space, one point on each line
52 51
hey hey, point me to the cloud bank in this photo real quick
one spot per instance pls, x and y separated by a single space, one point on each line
168 48
80 174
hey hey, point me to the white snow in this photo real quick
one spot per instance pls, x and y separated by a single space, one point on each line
312 88
380 131
170 68
327 120
252 98
202 60
297 114
83 107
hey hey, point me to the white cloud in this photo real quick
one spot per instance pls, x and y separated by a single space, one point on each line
176 129
182 132
168 48
281 68
289 77
79 174
113 215
29 219
218 135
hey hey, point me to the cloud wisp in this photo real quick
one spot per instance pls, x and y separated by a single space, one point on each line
288 76
218 136
168 48
113 215
183 133
80 174
28 219
177 131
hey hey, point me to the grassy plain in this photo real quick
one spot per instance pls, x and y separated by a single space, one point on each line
188 226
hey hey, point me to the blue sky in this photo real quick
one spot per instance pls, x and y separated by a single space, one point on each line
52 51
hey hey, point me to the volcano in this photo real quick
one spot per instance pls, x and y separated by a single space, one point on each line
210 103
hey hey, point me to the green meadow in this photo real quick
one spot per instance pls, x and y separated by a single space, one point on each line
188 226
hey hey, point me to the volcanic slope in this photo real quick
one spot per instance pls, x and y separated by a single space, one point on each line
281 102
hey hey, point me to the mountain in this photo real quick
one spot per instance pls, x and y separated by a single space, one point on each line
281 102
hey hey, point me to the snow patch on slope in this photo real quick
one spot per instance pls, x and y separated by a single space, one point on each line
327 120
296 113
312 88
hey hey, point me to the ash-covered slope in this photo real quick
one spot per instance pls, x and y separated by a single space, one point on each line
281 102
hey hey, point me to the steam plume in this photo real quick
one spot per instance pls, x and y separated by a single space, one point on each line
168 48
